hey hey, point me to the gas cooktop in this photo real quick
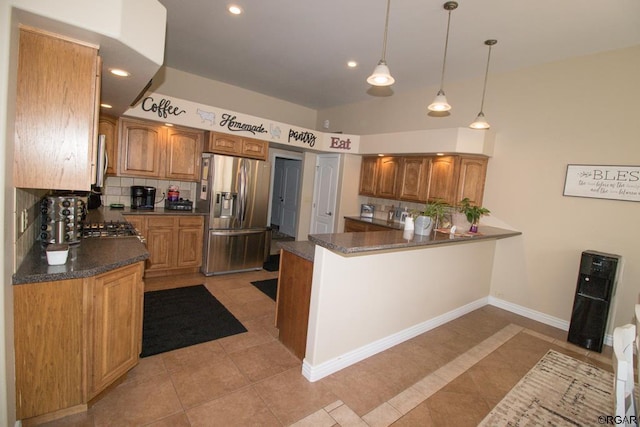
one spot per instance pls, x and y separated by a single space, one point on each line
108 229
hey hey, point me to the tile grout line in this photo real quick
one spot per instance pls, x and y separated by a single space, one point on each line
399 405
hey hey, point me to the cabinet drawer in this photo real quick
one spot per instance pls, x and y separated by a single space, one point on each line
191 221
160 221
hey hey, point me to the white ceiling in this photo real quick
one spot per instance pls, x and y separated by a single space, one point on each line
297 50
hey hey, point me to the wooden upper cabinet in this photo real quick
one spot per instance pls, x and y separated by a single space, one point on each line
236 145
368 176
254 148
150 149
56 110
414 175
224 144
183 154
471 177
442 180
108 126
141 146
387 186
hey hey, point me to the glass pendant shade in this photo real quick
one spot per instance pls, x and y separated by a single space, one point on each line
440 103
480 122
381 75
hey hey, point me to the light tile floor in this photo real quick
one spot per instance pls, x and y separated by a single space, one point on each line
452 375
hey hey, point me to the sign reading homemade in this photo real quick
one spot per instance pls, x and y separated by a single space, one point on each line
177 111
603 182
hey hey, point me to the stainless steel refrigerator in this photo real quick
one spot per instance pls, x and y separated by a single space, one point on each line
235 193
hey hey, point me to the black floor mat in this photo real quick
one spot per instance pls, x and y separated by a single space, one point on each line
268 287
180 317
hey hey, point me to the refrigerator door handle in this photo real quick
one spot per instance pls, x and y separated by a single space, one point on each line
242 205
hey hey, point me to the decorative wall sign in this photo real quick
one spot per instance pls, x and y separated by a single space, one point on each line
603 182
168 109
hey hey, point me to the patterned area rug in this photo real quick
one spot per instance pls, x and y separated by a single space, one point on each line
559 391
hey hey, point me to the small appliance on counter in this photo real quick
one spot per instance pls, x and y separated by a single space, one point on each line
178 205
366 211
61 217
143 197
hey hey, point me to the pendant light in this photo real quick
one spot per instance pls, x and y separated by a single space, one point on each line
480 122
381 75
440 103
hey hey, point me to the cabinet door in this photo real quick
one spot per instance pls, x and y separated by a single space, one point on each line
387 186
224 144
368 176
108 126
183 154
160 243
49 347
55 114
190 241
254 148
414 175
117 325
351 226
442 179
141 148
473 171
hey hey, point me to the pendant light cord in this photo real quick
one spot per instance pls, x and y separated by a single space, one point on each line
486 75
446 45
386 27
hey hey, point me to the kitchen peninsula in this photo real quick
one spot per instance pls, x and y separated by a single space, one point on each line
372 290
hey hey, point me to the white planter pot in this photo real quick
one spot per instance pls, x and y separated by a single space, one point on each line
423 225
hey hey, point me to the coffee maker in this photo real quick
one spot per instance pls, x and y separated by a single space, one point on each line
143 197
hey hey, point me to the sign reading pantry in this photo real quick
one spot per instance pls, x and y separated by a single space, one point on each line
178 111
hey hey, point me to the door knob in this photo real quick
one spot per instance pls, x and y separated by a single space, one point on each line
328 213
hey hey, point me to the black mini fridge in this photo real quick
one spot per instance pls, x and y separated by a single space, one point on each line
594 291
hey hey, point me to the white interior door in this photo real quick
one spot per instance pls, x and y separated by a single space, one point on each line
325 194
289 206
278 193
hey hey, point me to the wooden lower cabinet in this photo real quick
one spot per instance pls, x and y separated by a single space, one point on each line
174 242
74 338
293 301
116 325
354 226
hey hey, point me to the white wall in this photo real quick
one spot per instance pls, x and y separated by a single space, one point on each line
583 110
172 82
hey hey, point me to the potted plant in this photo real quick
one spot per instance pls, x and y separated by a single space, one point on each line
429 217
473 213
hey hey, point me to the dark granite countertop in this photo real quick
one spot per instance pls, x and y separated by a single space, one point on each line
304 249
380 222
88 258
363 242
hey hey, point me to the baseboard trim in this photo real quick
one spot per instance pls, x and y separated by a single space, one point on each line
529 313
538 316
314 373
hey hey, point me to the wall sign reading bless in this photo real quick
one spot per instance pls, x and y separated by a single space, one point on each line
603 182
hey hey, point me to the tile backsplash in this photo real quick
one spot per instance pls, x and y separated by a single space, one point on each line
118 189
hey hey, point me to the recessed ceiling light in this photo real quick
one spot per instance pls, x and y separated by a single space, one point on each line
352 64
120 73
106 105
234 9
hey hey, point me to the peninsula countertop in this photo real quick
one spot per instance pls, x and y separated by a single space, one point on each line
363 242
